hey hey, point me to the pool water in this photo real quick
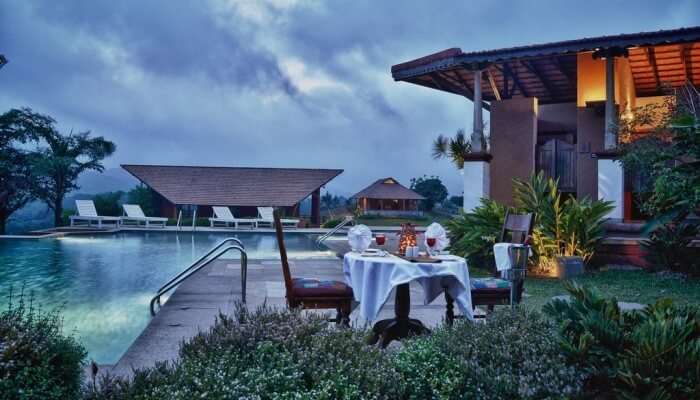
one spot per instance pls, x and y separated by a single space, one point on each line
103 283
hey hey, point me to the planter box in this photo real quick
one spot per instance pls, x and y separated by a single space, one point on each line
569 267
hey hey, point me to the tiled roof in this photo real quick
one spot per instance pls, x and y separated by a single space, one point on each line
389 189
232 186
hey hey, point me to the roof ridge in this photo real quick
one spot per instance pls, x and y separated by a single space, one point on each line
229 167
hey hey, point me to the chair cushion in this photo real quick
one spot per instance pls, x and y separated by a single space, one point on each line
489 283
311 287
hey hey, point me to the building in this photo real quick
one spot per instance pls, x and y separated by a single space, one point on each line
194 189
554 107
388 197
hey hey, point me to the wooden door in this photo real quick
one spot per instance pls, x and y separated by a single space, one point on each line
556 158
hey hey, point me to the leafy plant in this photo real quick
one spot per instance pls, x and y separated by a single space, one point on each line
567 227
473 234
651 354
109 203
36 360
669 246
144 197
453 148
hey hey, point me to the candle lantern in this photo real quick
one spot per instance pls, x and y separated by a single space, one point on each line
407 237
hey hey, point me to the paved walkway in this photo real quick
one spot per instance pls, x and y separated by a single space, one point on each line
195 304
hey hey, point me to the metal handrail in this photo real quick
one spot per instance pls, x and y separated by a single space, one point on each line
200 259
244 275
196 266
338 227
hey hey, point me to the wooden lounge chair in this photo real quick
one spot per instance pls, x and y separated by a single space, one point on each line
135 216
311 293
265 217
88 213
490 292
223 215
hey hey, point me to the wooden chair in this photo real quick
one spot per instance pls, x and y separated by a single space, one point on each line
311 293
490 292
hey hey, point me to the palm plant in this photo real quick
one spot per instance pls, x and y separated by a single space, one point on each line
454 148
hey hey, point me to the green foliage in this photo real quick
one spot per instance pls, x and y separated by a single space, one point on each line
431 188
109 203
275 354
654 353
62 160
453 148
36 360
144 197
332 223
568 227
669 247
472 235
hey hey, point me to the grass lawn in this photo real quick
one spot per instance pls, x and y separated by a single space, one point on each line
629 286
426 220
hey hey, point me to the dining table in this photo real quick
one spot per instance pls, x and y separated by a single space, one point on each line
374 274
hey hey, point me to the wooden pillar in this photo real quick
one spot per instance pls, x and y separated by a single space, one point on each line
316 207
478 131
610 111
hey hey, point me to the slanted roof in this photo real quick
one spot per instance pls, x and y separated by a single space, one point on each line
232 186
548 71
388 189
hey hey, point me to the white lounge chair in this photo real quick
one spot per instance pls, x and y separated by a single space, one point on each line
135 216
88 213
266 218
223 215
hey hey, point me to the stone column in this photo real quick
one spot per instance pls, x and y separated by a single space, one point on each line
475 173
610 172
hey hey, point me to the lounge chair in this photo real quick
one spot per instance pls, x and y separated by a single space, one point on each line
223 215
88 213
266 217
135 216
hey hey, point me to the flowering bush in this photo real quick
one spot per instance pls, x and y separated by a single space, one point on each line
275 354
36 360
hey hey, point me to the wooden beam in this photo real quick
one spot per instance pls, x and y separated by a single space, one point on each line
568 74
686 61
651 57
545 82
443 84
470 94
516 81
506 92
492 83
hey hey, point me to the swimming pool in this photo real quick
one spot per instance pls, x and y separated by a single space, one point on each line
103 283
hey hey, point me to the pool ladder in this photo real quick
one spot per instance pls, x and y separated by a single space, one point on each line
215 252
348 219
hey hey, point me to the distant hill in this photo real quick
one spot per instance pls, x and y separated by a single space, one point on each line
110 180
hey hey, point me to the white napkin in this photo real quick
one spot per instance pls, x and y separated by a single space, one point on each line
436 231
359 237
502 255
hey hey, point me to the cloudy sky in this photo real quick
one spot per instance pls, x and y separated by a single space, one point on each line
276 83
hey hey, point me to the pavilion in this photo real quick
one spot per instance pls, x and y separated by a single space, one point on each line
388 197
554 108
195 189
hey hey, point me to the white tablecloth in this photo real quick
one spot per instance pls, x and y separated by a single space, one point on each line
373 278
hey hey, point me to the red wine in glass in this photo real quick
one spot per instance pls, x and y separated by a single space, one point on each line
430 241
381 239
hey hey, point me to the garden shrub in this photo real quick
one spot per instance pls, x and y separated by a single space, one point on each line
473 234
512 355
669 247
280 354
654 353
332 223
36 360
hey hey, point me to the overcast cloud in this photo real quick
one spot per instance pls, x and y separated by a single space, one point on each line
276 83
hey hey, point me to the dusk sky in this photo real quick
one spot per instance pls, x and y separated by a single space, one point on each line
277 83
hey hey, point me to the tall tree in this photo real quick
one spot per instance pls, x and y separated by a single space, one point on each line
431 188
17 127
63 159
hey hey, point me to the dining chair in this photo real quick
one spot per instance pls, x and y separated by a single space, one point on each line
500 289
312 293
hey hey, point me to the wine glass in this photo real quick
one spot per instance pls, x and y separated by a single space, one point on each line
380 238
430 241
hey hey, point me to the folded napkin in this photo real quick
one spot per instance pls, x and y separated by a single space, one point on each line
502 254
436 231
359 237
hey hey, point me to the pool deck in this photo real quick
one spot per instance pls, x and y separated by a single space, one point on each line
194 305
